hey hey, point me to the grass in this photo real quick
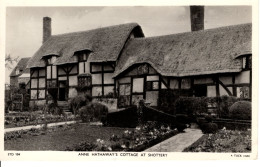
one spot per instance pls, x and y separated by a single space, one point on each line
223 141
61 138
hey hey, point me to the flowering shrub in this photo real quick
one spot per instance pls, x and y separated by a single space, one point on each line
35 131
223 141
24 119
131 140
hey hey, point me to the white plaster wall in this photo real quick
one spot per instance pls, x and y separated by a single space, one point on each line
243 77
54 71
138 85
223 92
72 92
81 67
33 94
152 78
108 78
211 91
34 83
41 82
49 72
41 93
108 89
62 78
87 67
96 91
96 79
73 80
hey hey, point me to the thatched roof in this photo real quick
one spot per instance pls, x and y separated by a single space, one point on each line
191 53
21 65
105 44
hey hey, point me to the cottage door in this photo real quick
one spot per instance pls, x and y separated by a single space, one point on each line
138 90
62 90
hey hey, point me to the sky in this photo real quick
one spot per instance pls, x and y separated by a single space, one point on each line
24 24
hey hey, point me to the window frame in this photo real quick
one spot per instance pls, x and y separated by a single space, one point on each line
37 70
102 72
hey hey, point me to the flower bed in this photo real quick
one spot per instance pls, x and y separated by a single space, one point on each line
223 141
25 119
35 131
139 139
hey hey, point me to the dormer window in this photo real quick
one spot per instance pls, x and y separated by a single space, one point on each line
50 60
247 62
82 55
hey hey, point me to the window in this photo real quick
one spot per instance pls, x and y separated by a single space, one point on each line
185 83
84 81
124 95
38 83
247 62
102 79
82 55
152 85
243 92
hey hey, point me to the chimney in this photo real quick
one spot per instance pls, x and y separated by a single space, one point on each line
197 18
46 28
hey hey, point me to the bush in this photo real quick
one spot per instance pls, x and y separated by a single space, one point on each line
224 104
190 106
53 109
79 101
241 110
209 127
93 112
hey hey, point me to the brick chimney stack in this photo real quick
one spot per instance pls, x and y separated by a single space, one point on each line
46 28
197 18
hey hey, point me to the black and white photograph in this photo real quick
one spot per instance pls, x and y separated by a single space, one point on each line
129 80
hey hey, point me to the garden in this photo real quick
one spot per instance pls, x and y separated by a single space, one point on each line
226 128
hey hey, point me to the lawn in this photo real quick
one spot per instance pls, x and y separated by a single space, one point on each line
60 137
223 141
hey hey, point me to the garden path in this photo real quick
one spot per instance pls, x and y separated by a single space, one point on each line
178 142
37 126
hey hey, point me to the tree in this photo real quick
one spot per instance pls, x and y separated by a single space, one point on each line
9 61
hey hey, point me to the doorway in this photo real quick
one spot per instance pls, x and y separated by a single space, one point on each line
62 90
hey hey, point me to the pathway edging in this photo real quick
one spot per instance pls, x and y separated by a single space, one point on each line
178 142
37 126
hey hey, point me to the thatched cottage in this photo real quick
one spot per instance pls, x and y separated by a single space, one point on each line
119 63
20 75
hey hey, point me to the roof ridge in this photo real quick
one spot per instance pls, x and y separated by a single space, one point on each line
76 32
193 32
